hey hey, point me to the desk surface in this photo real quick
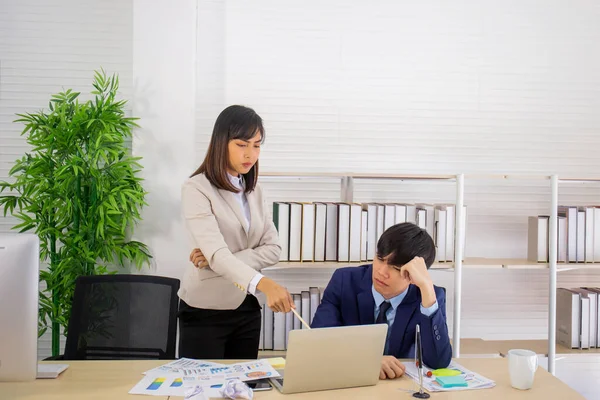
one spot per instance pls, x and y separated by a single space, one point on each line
112 380
538 346
83 380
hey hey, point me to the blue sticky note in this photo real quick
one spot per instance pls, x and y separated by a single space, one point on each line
451 381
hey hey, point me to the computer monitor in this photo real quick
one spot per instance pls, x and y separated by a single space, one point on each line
19 281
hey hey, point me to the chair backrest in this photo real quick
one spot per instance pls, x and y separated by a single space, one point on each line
123 317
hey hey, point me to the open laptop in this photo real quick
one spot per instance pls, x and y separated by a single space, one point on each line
332 358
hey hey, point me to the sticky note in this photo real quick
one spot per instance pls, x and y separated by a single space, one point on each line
277 362
446 372
451 381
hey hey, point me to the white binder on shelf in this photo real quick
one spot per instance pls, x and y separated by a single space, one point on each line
400 213
305 307
279 331
411 213
389 216
568 325
314 302
562 239
355 232
343 243
422 218
320 231
380 221
440 234
308 232
371 229
295 243
585 321
597 292
364 236
593 315
331 232
537 238
580 236
430 217
281 219
589 234
298 303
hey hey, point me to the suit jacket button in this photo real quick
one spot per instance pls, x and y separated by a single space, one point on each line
438 337
437 332
435 327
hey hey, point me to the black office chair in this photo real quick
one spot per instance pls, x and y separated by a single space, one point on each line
123 317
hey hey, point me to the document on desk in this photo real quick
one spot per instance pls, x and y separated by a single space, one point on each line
170 386
175 378
474 380
246 371
183 366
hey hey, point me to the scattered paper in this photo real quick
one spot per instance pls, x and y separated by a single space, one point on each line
474 380
185 375
246 371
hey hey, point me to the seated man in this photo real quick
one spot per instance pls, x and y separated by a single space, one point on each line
396 290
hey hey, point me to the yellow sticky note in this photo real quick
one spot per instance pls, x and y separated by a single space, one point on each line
446 372
277 362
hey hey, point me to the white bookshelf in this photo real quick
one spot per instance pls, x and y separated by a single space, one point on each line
555 267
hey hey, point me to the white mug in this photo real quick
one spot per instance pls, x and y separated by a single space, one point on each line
522 365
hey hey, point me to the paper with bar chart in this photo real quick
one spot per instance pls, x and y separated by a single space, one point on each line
160 386
177 377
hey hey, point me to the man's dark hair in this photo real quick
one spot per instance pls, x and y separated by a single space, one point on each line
403 242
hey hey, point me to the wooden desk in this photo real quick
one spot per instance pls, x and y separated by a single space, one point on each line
83 380
112 380
545 387
471 347
538 346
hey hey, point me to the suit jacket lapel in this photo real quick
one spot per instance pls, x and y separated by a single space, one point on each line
235 207
366 303
404 313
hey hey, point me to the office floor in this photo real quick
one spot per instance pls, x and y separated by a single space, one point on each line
581 372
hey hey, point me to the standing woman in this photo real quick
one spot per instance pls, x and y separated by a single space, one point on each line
227 217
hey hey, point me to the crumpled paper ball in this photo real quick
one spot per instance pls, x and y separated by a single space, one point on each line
236 389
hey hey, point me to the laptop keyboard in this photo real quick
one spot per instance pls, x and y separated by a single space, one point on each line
280 381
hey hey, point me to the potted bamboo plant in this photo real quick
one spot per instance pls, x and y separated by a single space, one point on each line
78 188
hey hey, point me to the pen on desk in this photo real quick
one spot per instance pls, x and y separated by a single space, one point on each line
300 318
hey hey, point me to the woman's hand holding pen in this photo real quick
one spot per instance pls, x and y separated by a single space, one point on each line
278 297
